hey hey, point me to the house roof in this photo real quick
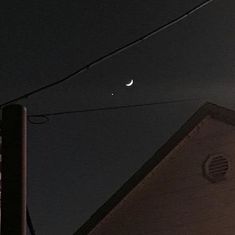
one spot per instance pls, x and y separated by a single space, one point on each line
208 109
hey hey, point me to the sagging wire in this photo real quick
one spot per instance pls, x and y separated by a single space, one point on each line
46 116
29 222
112 53
37 119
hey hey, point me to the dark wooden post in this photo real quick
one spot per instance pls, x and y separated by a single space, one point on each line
13 207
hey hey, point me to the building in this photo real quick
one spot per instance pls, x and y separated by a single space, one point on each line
187 187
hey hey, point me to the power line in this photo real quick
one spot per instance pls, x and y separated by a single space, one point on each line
112 53
46 116
29 222
43 119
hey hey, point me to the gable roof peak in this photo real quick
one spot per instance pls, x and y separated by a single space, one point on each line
207 109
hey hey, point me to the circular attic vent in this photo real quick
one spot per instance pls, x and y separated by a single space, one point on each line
216 168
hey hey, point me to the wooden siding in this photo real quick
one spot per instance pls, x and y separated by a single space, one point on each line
175 198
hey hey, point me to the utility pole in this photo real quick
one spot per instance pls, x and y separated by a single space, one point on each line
13 206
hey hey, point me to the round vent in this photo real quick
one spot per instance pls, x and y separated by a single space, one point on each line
216 168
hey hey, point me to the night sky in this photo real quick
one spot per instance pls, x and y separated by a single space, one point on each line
76 161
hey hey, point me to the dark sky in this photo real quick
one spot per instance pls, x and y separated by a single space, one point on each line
75 162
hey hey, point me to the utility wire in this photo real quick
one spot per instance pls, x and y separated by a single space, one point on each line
46 116
42 119
112 53
29 222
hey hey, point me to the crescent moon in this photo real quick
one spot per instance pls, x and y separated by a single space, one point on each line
130 83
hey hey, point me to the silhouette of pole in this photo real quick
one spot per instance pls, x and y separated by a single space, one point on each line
13 208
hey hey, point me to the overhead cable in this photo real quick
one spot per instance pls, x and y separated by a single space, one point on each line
111 54
29 223
45 116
